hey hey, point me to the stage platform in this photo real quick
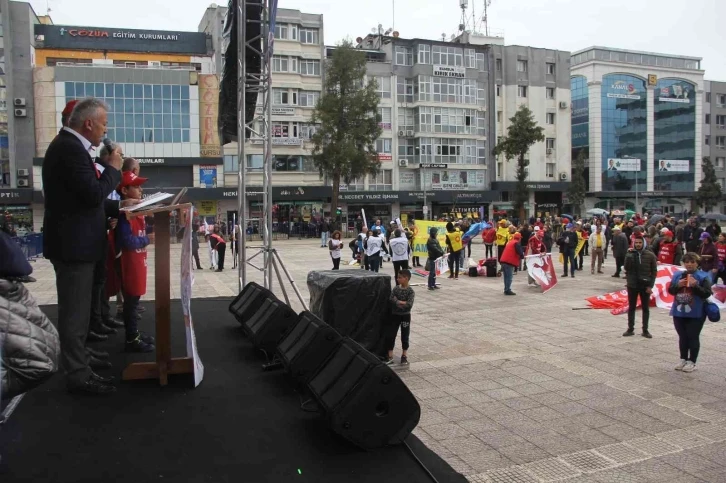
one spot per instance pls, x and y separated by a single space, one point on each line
240 425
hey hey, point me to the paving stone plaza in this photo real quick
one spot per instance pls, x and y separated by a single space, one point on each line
526 389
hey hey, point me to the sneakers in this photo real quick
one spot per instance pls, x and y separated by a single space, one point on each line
628 333
388 361
689 366
509 292
138 345
646 334
404 360
681 365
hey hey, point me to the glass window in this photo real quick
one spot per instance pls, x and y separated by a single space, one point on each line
406 119
384 145
550 92
231 164
138 91
521 66
281 31
498 63
185 92
254 161
70 89
309 36
308 98
550 68
166 92
720 120
445 55
550 170
382 181
707 140
385 115
156 91
424 54
147 91
550 143
521 91
99 89
470 58
175 92
550 118
404 55
309 67
383 86
80 90
675 135
404 89
185 135
128 91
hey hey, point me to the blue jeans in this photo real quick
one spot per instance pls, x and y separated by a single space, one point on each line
569 256
508 271
374 261
323 238
432 273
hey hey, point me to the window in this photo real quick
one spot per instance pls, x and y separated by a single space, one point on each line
451 90
231 163
424 54
254 161
383 86
424 88
293 32
707 140
499 116
721 141
708 118
550 93
281 32
722 183
500 169
280 64
720 120
721 99
498 63
720 162
550 170
481 62
445 55
286 163
470 58
521 66
309 67
550 143
550 69
499 90
309 98
521 91
550 118
708 97
383 145
406 119
282 97
307 130
404 55
309 36
385 113
382 181
406 148
280 130
404 89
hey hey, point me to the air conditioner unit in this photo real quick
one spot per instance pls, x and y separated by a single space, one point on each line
403 163
563 105
21 113
409 133
563 176
23 183
19 102
401 133
550 150
22 173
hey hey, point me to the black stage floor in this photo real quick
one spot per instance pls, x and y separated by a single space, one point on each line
240 425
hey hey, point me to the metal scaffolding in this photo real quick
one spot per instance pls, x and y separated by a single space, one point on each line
259 129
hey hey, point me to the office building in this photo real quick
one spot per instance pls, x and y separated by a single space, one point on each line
714 130
638 117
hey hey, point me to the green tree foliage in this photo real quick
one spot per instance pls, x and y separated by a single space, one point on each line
344 145
710 192
522 133
577 190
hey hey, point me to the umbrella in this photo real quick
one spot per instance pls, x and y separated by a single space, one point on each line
475 229
655 219
629 212
569 217
714 216
597 212
617 213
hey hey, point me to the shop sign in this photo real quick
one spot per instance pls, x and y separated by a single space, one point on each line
208 176
429 165
287 141
283 111
209 115
385 197
449 71
624 90
23 195
384 157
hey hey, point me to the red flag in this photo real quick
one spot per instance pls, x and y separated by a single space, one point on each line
542 270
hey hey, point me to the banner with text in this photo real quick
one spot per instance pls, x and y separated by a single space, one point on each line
676 165
421 235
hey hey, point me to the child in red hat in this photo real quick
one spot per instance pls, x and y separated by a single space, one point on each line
131 238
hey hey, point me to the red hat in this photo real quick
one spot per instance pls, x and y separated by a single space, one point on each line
128 178
517 236
668 233
69 108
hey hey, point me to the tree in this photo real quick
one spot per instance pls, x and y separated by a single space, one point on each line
577 190
522 133
344 146
710 192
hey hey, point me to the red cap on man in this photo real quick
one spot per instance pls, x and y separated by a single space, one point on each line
128 178
66 114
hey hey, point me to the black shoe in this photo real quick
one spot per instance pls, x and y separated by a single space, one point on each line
436 287
97 354
509 292
646 334
138 345
617 275
26 279
404 360
101 379
92 387
564 275
219 270
431 288
114 323
628 333
94 337
99 364
102 329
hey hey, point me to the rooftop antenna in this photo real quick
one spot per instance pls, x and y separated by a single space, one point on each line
462 23
47 7
484 19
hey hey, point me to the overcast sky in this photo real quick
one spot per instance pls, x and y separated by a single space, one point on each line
685 27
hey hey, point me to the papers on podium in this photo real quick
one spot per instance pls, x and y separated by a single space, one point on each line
151 200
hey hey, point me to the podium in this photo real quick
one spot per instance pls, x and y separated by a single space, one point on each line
165 364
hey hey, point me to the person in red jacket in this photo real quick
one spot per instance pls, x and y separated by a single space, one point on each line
669 250
511 256
132 239
488 236
535 246
219 245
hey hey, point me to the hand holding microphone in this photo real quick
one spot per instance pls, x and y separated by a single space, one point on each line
114 158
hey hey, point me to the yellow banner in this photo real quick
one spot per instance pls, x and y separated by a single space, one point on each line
421 235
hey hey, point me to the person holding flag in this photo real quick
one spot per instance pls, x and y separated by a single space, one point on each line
535 246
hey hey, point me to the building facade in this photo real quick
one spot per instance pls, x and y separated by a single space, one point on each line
714 129
638 118
539 79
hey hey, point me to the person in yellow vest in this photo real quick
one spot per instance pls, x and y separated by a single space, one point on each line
597 244
502 239
455 245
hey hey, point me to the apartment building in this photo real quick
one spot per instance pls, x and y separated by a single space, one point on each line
714 129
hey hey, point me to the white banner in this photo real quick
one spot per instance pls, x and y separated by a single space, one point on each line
449 71
442 265
672 99
623 164
677 165
187 281
623 96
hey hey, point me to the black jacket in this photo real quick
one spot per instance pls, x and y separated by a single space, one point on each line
641 268
76 204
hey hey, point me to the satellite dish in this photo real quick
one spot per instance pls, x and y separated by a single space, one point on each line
388 32
359 39
396 34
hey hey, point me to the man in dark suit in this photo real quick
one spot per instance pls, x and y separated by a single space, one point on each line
76 207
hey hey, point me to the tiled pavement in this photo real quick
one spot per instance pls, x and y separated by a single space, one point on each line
520 389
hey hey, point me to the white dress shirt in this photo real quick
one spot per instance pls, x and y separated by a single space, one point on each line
86 143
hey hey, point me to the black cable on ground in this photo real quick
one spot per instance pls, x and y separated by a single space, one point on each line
431 475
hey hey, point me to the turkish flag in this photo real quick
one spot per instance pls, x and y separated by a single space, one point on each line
542 270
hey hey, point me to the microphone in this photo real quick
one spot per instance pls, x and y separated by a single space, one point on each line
107 143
